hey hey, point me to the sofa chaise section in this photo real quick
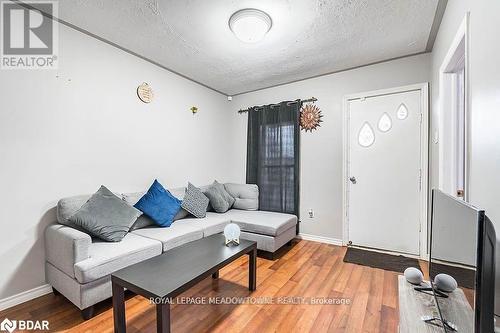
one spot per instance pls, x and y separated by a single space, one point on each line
262 222
269 229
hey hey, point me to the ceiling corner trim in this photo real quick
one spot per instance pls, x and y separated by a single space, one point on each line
88 33
438 17
330 73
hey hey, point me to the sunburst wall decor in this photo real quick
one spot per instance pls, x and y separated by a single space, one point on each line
310 117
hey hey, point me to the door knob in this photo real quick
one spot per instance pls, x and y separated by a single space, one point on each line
353 180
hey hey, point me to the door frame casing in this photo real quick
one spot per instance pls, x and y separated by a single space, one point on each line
443 101
424 157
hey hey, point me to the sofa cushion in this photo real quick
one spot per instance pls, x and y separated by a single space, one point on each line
106 216
173 236
262 222
67 207
106 258
246 195
144 221
132 198
212 224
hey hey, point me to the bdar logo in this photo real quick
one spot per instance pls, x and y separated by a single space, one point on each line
24 325
8 325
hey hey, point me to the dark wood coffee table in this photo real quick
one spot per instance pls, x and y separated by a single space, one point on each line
171 273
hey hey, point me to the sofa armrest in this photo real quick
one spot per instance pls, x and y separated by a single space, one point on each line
65 246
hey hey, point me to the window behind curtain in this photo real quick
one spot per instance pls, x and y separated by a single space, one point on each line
273 156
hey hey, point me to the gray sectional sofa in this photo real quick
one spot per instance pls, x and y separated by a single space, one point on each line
79 266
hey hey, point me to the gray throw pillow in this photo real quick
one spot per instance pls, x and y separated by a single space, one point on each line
203 189
142 221
216 200
145 221
229 199
195 201
105 216
220 200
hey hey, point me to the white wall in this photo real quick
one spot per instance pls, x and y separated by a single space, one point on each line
485 101
321 151
66 132
485 95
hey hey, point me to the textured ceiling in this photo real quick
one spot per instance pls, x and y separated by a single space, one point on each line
308 37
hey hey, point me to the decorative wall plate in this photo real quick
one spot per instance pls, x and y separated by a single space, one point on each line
310 117
145 93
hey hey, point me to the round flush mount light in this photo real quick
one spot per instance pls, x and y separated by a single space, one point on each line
250 25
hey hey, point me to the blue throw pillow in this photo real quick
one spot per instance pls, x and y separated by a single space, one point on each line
159 204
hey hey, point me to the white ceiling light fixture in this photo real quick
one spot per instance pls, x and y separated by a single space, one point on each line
250 25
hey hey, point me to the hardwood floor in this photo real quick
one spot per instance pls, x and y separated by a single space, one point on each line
307 270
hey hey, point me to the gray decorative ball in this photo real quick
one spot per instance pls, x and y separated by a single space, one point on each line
413 275
445 282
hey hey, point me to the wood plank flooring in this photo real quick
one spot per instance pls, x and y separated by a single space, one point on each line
307 270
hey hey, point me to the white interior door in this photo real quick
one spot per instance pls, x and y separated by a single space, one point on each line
384 162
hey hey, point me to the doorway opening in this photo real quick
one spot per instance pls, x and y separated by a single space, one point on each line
454 117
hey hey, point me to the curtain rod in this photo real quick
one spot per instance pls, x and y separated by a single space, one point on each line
312 99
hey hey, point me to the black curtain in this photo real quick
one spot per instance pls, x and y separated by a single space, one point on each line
273 141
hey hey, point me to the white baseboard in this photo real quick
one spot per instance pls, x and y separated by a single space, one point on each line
25 296
321 239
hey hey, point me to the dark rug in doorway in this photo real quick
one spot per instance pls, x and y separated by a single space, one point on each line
384 261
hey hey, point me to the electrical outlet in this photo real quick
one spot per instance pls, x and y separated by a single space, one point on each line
311 213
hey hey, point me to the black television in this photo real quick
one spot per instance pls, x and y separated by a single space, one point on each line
462 244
